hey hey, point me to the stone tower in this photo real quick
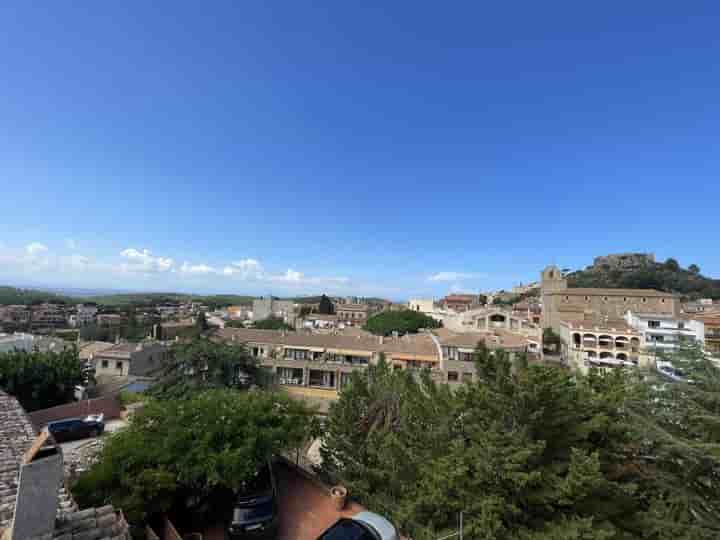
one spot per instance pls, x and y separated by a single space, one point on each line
551 280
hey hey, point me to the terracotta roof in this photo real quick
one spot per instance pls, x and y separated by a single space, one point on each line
497 339
410 344
589 291
92 348
16 436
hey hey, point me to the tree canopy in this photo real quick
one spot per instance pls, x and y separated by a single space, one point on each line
529 452
202 364
175 450
273 323
402 322
40 379
326 306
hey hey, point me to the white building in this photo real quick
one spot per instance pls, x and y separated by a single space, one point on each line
423 305
85 315
661 332
16 342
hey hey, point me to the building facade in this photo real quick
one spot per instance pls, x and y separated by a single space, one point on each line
324 362
711 323
606 344
665 333
264 308
84 315
460 302
16 342
423 305
561 303
352 313
126 359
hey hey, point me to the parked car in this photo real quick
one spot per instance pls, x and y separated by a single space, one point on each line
361 526
255 507
72 429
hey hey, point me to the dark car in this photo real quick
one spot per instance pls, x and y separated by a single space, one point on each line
255 507
361 526
72 429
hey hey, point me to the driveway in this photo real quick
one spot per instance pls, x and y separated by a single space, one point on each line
110 427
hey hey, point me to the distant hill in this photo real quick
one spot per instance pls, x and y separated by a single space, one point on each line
13 295
667 276
16 296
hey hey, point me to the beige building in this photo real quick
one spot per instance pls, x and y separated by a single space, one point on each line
324 362
561 303
602 343
354 313
126 359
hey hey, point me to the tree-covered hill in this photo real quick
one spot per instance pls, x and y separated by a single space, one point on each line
667 276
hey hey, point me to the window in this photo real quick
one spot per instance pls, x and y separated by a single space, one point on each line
104 363
452 376
605 298
118 366
653 324
681 326
644 300
624 298
587 298
662 300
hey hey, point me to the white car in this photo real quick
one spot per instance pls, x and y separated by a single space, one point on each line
361 526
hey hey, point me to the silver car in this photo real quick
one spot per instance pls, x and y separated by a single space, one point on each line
361 526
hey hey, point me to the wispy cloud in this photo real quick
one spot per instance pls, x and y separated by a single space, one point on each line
455 276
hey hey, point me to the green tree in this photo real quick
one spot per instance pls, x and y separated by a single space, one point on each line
672 265
273 323
694 269
202 364
201 322
326 306
403 322
40 379
214 441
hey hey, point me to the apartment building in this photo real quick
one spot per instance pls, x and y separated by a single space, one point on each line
16 314
664 333
352 313
423 305
460 302
564 304
457 351
84 315
110 319
48 316
601 342
264 308
325 361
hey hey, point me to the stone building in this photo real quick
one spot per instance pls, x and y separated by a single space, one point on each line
561 303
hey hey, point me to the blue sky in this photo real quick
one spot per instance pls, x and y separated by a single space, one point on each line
395 149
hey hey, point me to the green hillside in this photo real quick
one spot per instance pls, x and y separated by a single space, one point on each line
667 276
14 296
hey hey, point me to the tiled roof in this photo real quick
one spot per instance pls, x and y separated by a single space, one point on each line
589 291
92 348
16 436
616 326
497 339
410 344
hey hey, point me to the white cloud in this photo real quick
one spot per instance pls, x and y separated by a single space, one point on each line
245 269
455 276
188 268
70 243
35 248
144 261
290 275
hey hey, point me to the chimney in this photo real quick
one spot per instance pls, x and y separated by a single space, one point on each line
41 474
381 339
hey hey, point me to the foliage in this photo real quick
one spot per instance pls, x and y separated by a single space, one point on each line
202 364
201 323
530 452
27 297
403 322
176 449
40 379
667 276
273 323
551 339
234 324
326 307
128 398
